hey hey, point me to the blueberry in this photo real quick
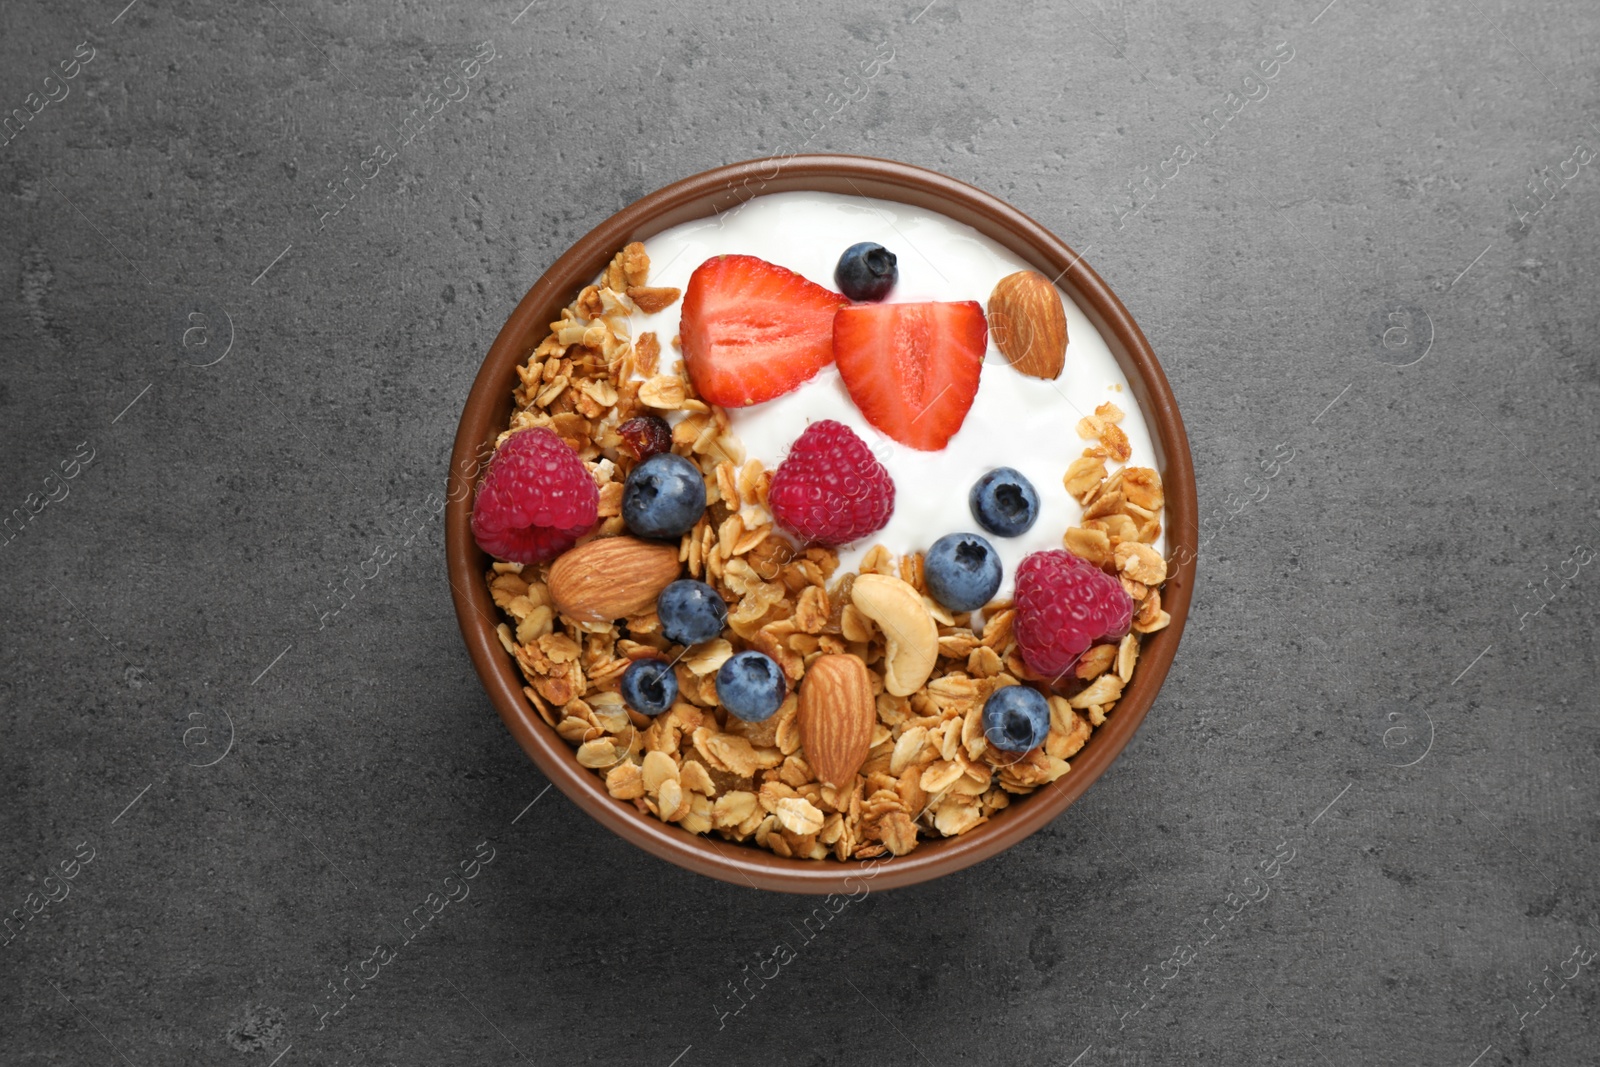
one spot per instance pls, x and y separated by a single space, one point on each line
962 571
649 686
1016 719
751 685
1004 502
866 272
664 496
691 612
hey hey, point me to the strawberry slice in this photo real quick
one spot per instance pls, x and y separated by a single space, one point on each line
912 369
752 330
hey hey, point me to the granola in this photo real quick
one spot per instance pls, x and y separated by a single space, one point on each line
930 772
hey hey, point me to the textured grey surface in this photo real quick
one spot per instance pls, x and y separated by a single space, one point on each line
1364 687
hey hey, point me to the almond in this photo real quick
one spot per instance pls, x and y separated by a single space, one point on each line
1028 323
611 578
836 715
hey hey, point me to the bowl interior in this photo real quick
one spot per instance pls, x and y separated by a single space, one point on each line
488 410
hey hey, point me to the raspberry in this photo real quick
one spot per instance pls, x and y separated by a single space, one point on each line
1064 605
536 500
831 490
645 436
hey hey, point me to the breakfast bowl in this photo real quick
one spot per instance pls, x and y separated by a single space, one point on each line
948 234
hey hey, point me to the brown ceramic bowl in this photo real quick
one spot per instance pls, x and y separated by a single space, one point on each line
488 410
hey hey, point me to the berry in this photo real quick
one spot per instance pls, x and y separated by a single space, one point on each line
866 272
691 612
649 686
1004 502
912 369
645 436
962 571
536 500
1064 605
831 489
663 497
1016 719
751 685
752 330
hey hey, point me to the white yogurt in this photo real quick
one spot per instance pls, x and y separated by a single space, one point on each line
1015 421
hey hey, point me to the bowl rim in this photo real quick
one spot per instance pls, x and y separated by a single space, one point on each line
487 409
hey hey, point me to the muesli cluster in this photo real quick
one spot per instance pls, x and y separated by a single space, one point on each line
699 646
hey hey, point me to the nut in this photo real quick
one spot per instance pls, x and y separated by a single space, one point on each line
1028 323
836 715
611 578
908 629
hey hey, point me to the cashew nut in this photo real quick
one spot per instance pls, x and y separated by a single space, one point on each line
913 639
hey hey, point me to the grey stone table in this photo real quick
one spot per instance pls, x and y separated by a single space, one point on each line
228 389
